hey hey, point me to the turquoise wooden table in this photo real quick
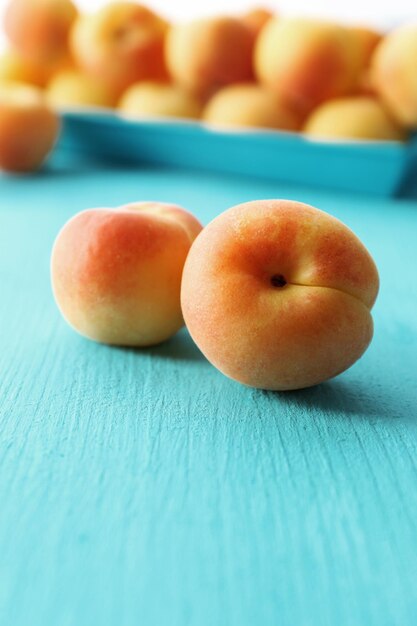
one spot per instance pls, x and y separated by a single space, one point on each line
143 487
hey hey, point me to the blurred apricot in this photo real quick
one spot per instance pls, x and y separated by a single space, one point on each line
207 54
28 127
120 44
39 29
256 18
357 117
249 105
305 61
394 73
14 67
151 99
73 88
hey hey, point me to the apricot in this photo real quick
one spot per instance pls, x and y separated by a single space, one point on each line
152 99
120 44
39 29
15 68
28 128
305 61
249 105
207 54
116 273
73 88
364 42
277 294
256 19
357 117
394 75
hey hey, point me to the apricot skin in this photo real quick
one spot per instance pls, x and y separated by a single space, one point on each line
116 273
279 337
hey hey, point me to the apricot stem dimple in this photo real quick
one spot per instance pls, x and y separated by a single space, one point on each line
278 280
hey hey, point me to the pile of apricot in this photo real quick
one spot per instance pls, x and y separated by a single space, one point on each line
256 69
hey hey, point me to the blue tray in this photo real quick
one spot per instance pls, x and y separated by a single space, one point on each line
382 168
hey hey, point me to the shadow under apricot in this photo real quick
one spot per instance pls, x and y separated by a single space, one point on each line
179 348
338 397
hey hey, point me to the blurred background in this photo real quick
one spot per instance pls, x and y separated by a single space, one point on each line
377 13
344 72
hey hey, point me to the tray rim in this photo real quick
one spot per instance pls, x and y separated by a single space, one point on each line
108 116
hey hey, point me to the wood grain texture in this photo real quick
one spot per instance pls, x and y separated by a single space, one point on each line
143 487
